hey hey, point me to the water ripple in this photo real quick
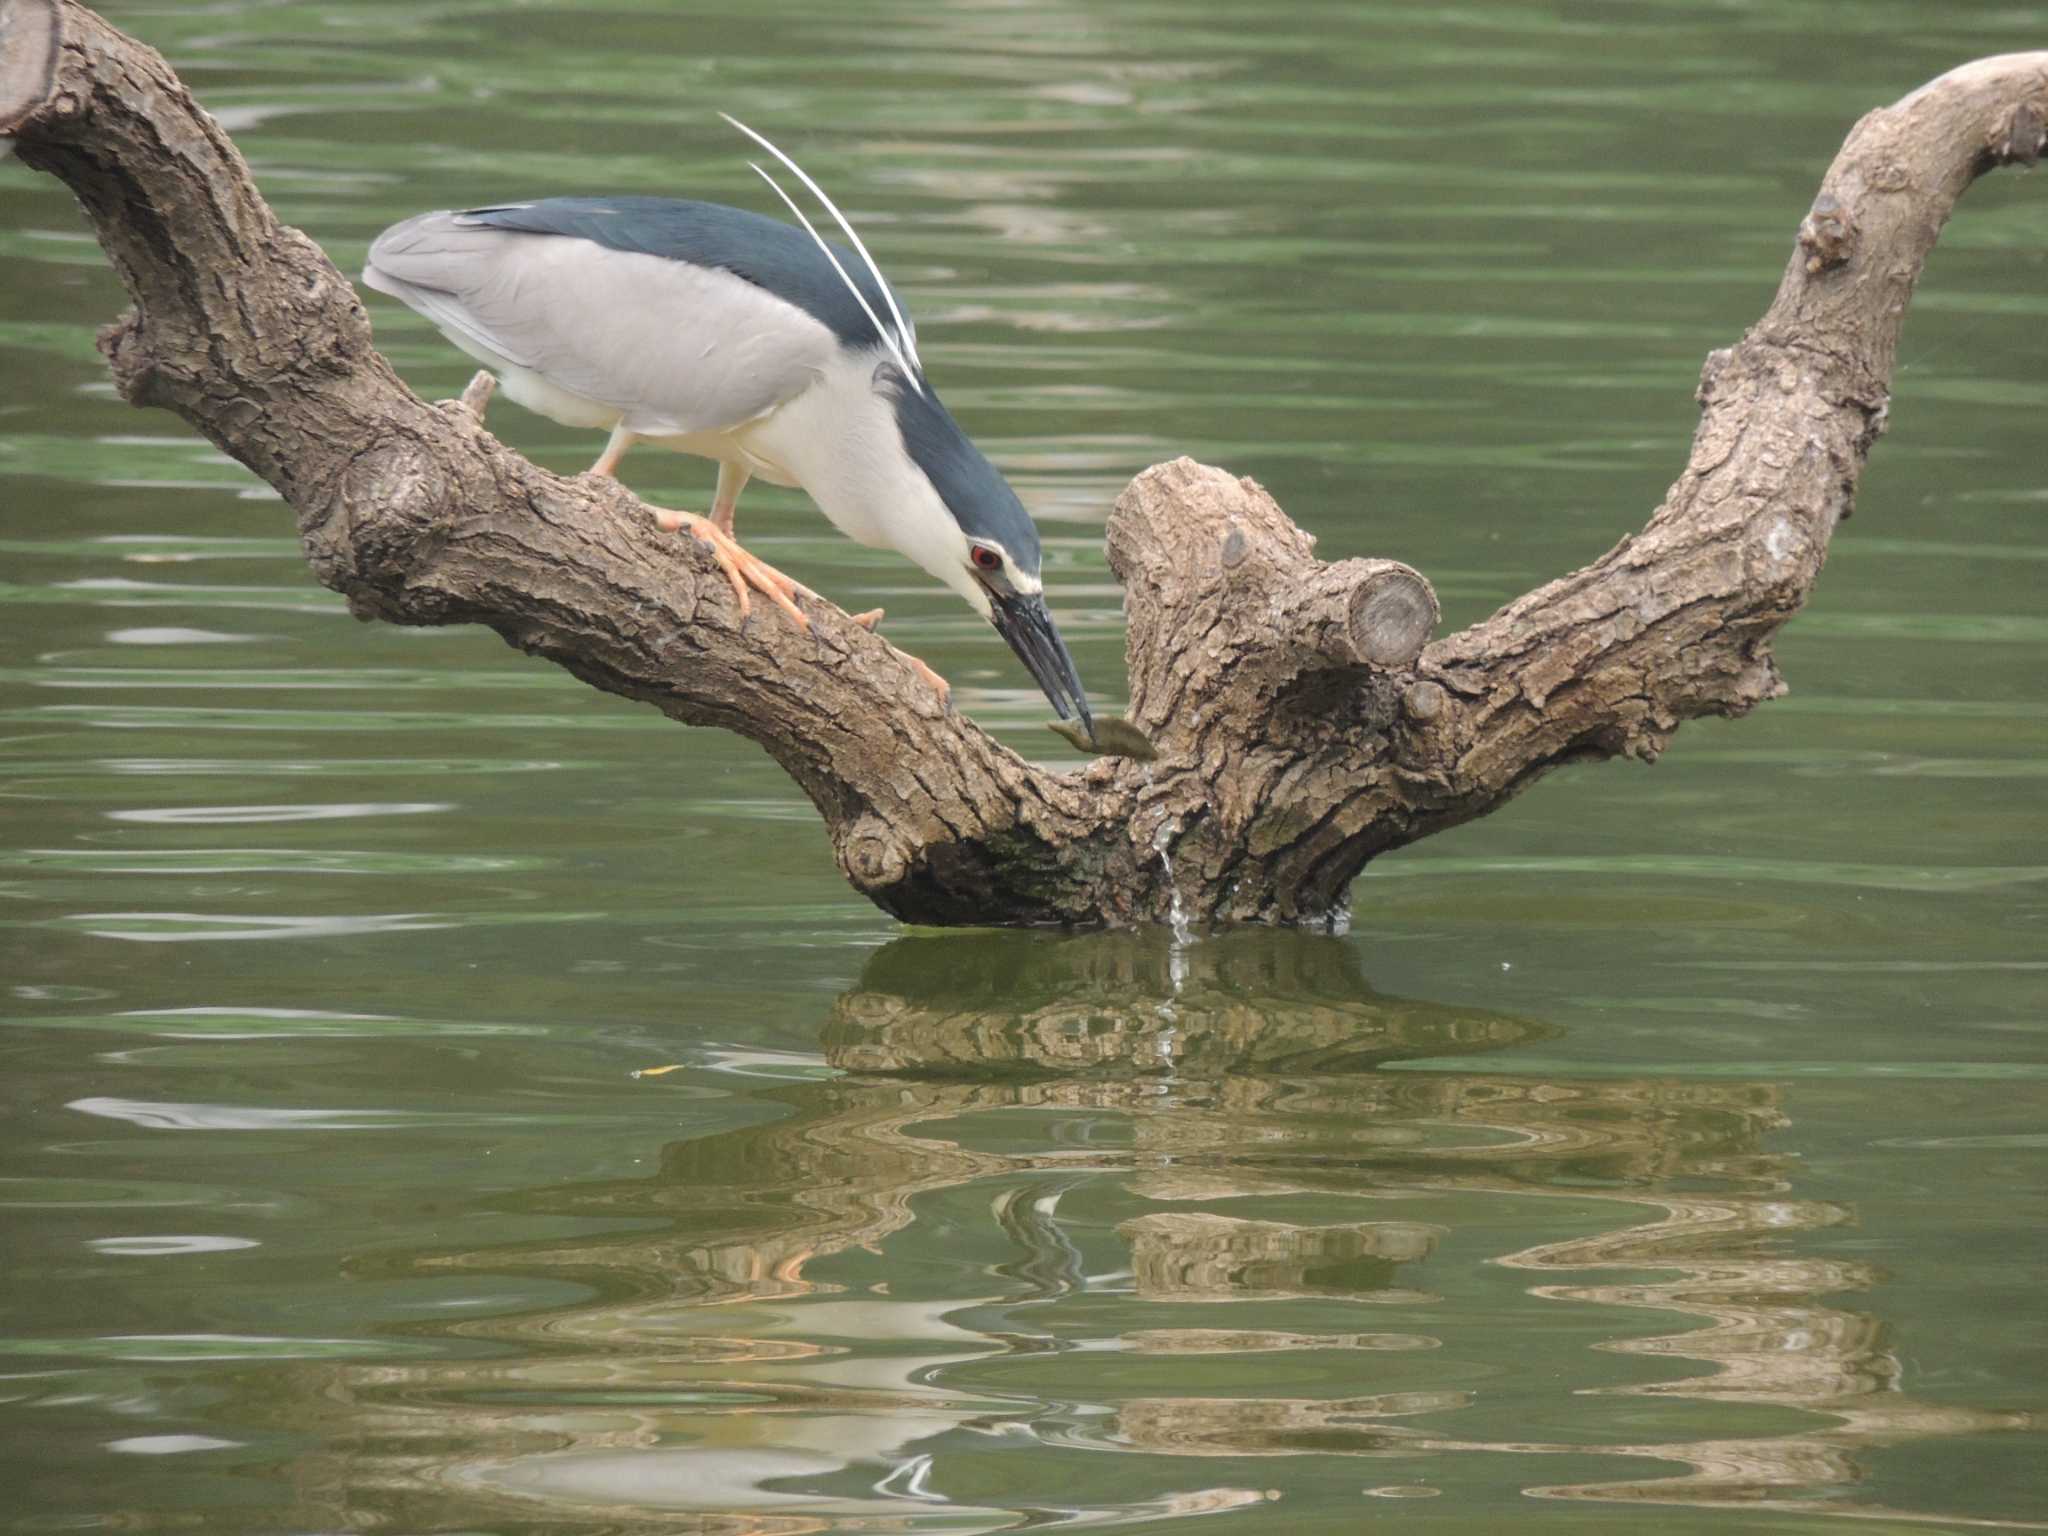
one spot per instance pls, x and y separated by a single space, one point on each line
1888 877
185 927
275 861
245 815
163 1245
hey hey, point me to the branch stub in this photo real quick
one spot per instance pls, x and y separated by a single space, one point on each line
1393 612
2024 136
1827 234
31 33
1423 701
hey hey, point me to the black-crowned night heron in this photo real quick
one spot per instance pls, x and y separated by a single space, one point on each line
719 332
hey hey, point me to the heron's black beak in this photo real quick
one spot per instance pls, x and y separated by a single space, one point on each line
1026 623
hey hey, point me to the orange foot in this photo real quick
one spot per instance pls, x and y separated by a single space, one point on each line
742 569
940 686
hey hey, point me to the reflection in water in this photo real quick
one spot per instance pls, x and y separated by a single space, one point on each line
1204 1257
1124 1203
1767 1341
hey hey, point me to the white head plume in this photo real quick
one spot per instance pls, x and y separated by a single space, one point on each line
903 341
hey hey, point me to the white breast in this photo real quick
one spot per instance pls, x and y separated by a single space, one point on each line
840 442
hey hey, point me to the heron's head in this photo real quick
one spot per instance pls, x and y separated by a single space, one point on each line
991 554
955 516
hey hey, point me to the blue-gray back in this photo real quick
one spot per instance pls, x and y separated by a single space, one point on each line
785 261
776 257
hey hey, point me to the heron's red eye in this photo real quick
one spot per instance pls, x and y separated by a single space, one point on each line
986 559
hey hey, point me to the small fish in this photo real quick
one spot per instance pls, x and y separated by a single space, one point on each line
1114 737
674 1066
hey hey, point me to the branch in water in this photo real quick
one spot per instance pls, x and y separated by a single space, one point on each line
1301 723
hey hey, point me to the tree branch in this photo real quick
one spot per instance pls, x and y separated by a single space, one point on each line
1302 726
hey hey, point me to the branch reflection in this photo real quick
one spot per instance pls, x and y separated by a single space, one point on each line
1148 1209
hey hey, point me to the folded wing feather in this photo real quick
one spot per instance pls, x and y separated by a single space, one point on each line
673 346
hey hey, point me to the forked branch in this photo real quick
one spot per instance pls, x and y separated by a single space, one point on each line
1302 725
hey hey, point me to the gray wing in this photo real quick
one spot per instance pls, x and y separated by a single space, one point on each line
676 346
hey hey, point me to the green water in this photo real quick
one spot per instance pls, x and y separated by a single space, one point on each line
1664 1153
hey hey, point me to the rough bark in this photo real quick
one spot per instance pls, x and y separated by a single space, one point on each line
1302 725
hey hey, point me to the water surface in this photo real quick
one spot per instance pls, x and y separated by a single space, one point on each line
444 1098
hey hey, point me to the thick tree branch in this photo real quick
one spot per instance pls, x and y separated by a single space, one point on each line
1302 725
1675 622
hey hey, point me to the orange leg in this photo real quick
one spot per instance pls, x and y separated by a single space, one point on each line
731 481
615 450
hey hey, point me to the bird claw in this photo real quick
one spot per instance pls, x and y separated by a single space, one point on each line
940 686
741 568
